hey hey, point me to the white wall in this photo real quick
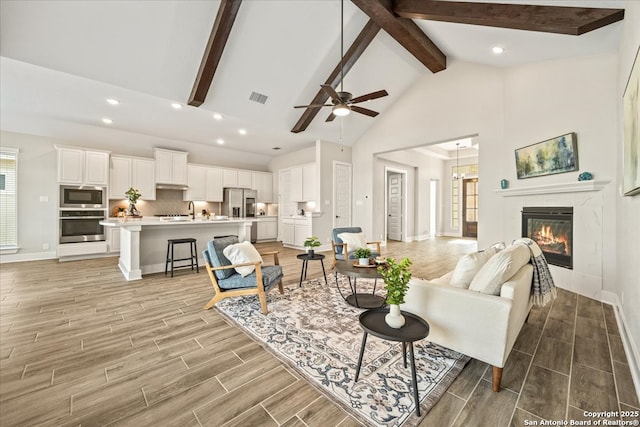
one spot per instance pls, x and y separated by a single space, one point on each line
37 177
326 153
626 287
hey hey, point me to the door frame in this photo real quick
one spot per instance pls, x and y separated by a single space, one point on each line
349 189
387 170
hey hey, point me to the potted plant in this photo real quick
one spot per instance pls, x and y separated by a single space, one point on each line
396 277
132 196
363 255
310 243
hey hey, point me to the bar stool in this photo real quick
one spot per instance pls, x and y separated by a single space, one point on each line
193 258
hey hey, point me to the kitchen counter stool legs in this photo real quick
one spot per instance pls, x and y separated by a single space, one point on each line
193 259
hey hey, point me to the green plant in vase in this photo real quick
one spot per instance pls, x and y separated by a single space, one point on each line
310 243
132 196
396 277
363 255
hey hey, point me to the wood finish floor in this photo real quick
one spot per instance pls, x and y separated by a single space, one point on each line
81 346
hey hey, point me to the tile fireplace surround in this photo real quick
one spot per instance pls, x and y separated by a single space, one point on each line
589 233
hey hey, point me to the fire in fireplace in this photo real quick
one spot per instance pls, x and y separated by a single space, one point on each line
552 229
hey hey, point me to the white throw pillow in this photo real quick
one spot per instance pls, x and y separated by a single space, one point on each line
353 240
468 266
500 268
240 253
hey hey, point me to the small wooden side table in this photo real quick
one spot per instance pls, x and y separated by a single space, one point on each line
415 328
305 264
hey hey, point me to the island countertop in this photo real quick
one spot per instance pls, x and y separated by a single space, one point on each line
152 221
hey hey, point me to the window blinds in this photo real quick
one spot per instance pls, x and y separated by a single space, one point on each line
8 198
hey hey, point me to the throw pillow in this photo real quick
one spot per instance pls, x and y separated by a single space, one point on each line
468 266
241 253
353 240
500 268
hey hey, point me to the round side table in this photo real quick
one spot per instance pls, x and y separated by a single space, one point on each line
305 264
415 328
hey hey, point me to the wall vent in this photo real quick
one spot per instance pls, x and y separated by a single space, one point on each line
258 97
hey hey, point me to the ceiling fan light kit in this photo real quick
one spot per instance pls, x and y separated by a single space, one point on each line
341 110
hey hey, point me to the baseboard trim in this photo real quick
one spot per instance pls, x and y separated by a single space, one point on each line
630 347
32 256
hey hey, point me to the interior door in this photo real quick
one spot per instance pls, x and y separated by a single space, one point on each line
470 207
394 206
341 194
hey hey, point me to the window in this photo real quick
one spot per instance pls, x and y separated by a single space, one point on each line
461 171
8 199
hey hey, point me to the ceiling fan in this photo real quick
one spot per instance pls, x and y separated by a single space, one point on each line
341 101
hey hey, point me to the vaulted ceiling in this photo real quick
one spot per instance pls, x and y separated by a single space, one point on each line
62 59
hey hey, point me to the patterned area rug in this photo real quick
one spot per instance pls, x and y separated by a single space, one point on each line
315 331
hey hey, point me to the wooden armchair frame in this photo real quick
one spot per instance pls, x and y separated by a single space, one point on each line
221 294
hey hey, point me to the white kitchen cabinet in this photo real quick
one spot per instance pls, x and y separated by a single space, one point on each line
213 188
309 182
288 232
267 229
244 179
171 167
78 166
295 231
113 239
127 172
197 182
229 178
262 182
295 187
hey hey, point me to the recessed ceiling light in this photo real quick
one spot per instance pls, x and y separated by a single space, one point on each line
107 121
497 50
176 105
217 116
113 101
220 141
242 131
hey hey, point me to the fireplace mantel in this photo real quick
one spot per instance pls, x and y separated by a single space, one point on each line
570 187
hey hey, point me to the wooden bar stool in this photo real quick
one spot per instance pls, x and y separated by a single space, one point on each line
193 259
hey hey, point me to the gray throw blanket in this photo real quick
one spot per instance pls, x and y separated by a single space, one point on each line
543 290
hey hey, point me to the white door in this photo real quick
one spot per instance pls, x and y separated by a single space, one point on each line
394 206
341 194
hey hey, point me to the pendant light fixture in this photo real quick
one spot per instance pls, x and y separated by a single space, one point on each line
455 176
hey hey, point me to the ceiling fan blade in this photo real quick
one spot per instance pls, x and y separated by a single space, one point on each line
331 92
313 106
369 96
364 111
331 117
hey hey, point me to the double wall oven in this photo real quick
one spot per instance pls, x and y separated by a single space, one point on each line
81 210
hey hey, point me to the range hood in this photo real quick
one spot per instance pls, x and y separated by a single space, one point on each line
179 187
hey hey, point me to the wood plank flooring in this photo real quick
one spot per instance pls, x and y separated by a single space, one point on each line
81 346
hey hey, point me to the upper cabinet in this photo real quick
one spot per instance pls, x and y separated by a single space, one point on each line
229 178
303 183
83 167
262 182
205 184
171 167
244 179
213 188
127 172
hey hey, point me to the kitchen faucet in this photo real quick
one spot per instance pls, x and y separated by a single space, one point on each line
192 209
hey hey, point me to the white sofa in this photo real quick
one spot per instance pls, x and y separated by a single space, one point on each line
480 325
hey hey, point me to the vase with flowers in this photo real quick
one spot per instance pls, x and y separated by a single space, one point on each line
132 196
396 276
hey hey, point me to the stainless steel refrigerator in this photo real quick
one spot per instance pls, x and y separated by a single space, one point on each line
241 203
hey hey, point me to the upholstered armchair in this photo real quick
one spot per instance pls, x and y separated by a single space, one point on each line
345 242
232 280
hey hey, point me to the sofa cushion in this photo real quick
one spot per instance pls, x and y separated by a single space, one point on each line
241 253
271 274
500 268
353 240
215 248
469 265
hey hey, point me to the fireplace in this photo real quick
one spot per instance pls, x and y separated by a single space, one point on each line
552 229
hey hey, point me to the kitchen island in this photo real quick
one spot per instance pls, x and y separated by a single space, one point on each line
143 242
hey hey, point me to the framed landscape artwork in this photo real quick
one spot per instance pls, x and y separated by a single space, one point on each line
631 124
556 155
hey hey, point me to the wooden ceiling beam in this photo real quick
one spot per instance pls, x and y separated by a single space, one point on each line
405 32
225 18
356 49
549 19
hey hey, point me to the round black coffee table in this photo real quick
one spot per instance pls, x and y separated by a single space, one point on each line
415 328
358 299
305 264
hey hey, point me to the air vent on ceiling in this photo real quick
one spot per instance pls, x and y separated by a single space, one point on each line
258 97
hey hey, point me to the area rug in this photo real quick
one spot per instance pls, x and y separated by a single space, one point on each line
316 332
